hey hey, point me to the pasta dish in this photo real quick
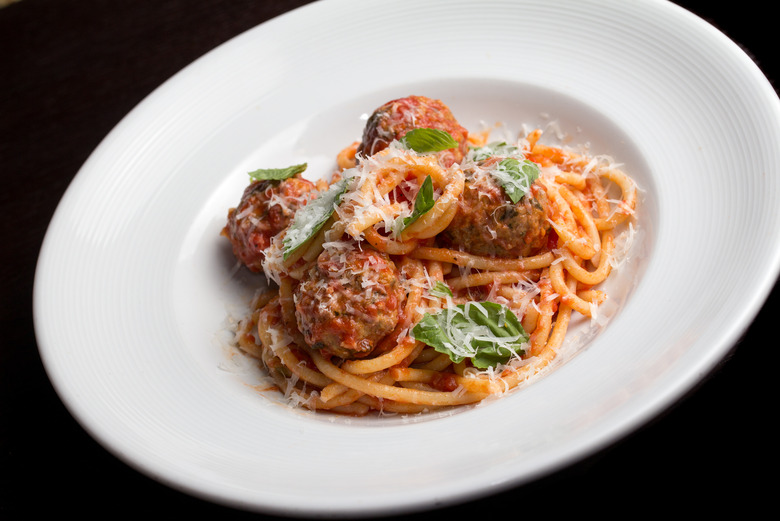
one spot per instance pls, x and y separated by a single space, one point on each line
434 268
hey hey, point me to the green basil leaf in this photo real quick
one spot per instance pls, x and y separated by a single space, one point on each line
422 203
423 140
277 174
485 332
497 148
515 176
440 290
310 218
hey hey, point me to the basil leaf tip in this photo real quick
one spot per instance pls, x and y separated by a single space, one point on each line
423 140
422 203
515 174
487 333
441 290
277 174
497 148
309 219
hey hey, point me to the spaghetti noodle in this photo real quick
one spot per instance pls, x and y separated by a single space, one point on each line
410 283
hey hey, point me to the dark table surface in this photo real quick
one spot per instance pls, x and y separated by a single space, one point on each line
71 69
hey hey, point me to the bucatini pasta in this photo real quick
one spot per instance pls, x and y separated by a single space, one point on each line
435 268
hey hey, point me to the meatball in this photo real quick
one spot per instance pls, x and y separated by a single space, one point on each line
395 118
348 301
266 209
488 223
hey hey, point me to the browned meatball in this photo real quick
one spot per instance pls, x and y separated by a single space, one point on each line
488 223
395 118
349 301
266 209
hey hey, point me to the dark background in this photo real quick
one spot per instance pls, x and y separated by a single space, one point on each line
71 69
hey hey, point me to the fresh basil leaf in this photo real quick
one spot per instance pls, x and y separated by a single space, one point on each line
514 173
497 148
485 332
440 290
515 176
423 140
310 218
277 174
422 203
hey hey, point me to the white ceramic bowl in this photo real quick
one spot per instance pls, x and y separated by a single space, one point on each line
134 285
